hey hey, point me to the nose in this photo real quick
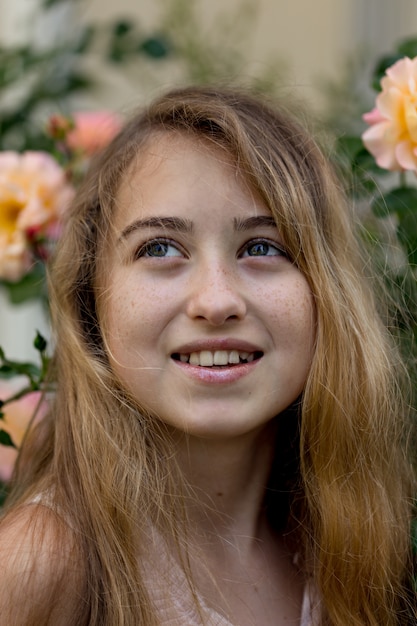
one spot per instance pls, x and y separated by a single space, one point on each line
215 296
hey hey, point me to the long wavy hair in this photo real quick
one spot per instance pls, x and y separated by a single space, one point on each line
107 466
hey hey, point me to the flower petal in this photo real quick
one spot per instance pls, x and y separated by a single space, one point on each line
381 144
406 156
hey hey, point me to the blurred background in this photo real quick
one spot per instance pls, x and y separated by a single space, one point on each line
62 57
101 54
65 55
312 41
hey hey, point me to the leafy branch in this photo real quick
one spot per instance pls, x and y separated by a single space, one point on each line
36 375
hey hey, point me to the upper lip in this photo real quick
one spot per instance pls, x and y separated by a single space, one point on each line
217 344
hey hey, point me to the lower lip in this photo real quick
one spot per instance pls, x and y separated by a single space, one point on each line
217 375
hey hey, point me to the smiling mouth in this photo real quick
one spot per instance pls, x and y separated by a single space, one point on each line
217 358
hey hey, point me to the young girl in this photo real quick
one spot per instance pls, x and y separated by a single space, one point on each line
226 445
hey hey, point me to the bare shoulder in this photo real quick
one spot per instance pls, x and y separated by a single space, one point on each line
40 573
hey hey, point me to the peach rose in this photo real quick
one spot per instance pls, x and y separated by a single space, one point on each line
92 131
392 136
34 193
17 416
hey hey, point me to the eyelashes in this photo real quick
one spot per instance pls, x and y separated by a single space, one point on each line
159 248
162 248
261 247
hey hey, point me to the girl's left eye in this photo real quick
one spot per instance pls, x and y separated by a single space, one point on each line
262 247
158 248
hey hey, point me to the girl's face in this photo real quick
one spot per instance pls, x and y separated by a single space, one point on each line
208 323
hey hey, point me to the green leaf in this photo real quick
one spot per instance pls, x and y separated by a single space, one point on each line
408 47
401 200
39 343
383 64
122 27
85 40
6 440
31 287
366 162
348 146
31 370
155 47
6 372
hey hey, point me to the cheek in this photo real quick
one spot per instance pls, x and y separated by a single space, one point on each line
131 317
292 311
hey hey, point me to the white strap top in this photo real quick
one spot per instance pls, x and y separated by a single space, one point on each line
176 605
179 609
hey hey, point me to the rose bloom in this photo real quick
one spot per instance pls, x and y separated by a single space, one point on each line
392 136
17 416
34 194
92 131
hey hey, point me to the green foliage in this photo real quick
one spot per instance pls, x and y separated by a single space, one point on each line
216 49
36 81
405 48
31 287
6 440
357 165
385 201
380 68
127 40
36 374
402 202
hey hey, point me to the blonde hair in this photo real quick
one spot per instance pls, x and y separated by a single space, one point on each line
107 465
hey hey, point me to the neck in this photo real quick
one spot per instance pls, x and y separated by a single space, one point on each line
228 479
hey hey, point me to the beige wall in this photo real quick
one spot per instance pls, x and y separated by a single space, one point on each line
314 37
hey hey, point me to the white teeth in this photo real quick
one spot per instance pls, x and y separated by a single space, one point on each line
206 358
194 358
221 357
234 357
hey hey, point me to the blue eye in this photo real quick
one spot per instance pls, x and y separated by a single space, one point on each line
158 248
262 248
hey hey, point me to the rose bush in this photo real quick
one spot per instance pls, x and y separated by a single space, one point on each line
34 194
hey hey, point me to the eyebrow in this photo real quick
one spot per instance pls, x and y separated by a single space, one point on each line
171 223
182 225
256 221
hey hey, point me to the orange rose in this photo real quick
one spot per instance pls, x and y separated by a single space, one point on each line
34 194
392 136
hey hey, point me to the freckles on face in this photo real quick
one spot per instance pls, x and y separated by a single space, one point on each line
208 323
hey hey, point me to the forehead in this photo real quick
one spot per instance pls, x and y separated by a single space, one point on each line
172 169
173 151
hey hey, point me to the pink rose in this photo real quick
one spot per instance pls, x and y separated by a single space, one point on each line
92 131
34 194
17 416
392 136
373 117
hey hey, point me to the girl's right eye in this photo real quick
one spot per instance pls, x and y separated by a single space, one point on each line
158 248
